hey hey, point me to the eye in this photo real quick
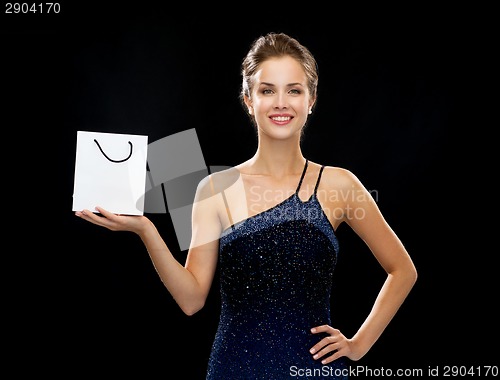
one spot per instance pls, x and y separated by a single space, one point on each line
295 91
267 91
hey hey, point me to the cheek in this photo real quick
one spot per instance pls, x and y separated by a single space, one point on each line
299 105
262 104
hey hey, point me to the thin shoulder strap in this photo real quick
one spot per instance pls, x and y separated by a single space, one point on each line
225 201
302 176
319 177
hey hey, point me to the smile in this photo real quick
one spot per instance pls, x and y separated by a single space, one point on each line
281 118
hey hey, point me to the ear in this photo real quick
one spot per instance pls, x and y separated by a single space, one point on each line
311 105
248 103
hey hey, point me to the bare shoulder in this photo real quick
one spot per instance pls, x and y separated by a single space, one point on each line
339 178
216 182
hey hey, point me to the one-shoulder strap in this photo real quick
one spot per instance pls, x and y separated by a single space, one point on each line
231 223
302 176
319 177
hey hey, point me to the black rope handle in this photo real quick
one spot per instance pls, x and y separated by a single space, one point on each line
116 161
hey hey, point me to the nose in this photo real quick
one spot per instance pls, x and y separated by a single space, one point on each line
280 101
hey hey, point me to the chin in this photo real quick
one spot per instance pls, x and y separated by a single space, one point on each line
281 132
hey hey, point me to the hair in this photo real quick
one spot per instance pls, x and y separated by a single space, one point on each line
277 45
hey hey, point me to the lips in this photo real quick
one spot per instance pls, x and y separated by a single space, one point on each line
281 120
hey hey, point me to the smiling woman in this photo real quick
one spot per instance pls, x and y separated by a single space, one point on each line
272 232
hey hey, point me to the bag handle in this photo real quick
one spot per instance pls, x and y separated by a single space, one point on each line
116 161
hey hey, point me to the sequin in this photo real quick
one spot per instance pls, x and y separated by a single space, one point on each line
276 273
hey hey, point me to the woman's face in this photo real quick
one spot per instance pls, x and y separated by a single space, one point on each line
280 100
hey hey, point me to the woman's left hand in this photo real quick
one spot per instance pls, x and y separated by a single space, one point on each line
335 342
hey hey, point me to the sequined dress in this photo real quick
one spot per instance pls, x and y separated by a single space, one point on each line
276 273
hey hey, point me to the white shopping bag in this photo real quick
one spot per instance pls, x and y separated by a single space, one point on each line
110 171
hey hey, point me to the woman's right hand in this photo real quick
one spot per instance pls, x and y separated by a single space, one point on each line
115 222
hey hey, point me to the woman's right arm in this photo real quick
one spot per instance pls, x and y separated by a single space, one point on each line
189 285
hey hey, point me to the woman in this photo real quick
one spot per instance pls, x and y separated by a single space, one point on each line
270 224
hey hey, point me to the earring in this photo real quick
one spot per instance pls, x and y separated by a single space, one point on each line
310 111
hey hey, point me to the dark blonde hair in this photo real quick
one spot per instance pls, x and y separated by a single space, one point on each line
277 45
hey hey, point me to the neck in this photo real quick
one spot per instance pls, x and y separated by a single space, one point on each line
278 158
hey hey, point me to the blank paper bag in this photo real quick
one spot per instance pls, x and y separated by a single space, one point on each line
110 172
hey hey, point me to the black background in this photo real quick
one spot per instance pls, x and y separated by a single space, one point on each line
401 104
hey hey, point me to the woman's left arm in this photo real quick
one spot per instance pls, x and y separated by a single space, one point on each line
364 217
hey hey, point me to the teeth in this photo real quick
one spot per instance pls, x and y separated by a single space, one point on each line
281 118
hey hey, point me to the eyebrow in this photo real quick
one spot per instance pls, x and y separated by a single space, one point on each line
288 85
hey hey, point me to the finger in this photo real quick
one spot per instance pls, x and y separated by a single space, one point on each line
332 357
84 214
330 353
318 350
104 212
325 346
323 328
333 336
110 216
91 217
